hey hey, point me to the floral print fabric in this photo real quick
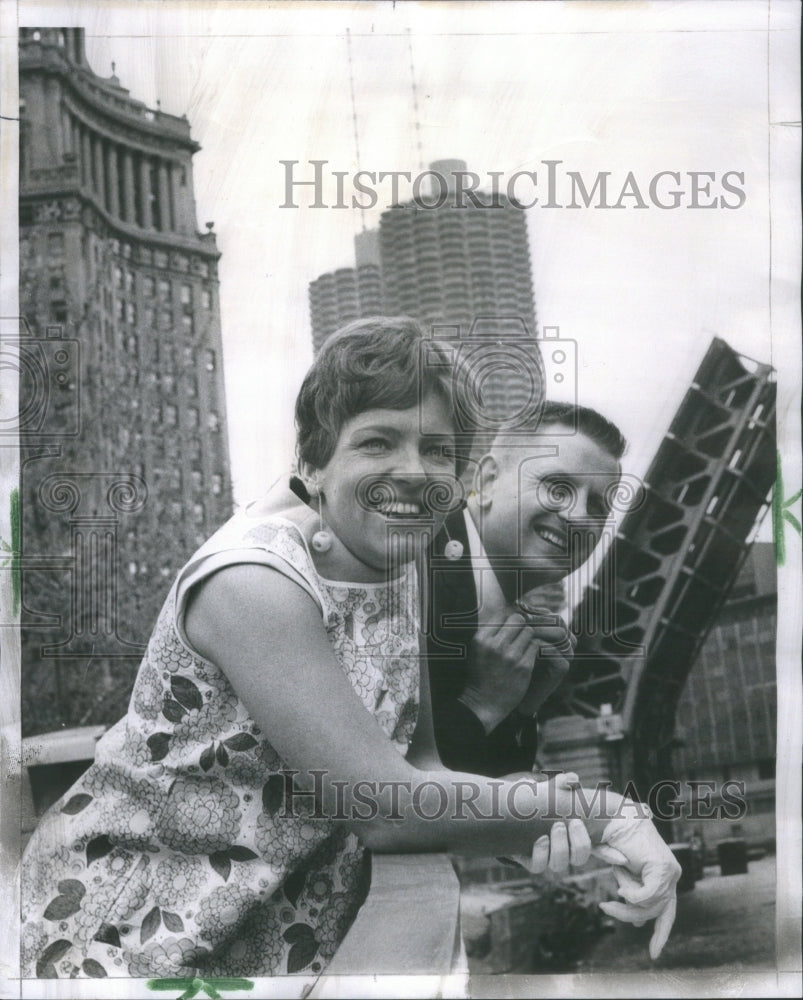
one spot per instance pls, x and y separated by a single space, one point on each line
173 855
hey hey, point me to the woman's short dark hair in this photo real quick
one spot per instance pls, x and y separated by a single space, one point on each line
375 363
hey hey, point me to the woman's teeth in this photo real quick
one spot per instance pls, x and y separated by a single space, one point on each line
552 537
401 509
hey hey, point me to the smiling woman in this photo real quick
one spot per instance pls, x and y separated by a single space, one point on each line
280 724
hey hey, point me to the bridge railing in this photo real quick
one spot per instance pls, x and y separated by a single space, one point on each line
409 924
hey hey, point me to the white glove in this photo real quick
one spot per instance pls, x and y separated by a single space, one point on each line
647 873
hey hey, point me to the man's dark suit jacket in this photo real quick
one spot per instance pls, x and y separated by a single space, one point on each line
460 736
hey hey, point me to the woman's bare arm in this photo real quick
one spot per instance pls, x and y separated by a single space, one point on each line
266 634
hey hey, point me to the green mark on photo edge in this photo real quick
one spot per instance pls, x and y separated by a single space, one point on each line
14 549
780 513
191 987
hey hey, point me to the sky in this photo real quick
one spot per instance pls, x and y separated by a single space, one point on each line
640 87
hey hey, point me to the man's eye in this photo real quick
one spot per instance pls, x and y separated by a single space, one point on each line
441 452
374 445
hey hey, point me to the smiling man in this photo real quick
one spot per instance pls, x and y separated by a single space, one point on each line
537 510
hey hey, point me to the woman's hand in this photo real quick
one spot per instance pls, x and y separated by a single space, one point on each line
647 880
566 846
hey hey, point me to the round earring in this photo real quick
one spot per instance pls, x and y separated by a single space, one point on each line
322 539
453 550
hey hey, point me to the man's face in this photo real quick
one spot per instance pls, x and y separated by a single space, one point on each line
528 497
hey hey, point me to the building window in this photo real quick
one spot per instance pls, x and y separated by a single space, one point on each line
55 283
192 417
58 311
217 484
148 318
195 450
55 245
131 344
186 295
129 281
186 324
160 258
198 513
170 415
168 384
165 319
118 310
118 276
213 422
164 290
206 298
192 386
148 286
130 312
209 360
766 768
197 479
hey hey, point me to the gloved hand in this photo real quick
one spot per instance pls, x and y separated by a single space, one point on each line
647 873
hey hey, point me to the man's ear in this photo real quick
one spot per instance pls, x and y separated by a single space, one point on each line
486 475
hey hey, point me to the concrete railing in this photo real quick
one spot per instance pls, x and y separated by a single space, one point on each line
408 926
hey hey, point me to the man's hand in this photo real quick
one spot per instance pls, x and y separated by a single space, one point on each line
517 659
500 667
553 657
647 873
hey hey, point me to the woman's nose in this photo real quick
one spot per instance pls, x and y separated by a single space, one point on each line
409 464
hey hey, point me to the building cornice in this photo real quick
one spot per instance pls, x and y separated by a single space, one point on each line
110 102
63 185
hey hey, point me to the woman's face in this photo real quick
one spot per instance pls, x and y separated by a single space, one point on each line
377 488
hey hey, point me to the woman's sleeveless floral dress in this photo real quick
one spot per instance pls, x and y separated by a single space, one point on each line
173 855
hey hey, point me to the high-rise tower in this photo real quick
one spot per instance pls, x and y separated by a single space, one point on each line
125 463
349 293
462 269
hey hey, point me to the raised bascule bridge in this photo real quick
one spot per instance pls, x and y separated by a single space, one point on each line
667 572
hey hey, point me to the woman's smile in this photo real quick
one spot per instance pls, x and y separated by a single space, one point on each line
379 489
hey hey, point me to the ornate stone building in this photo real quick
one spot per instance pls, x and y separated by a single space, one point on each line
124 464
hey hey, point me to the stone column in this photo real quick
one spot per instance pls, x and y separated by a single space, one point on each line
129 205
114 185
145 191
86 157
53 118
165 212
179 223
100 180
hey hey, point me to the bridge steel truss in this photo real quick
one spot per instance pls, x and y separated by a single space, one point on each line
663 581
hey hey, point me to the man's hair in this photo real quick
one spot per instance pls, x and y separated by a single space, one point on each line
373 363
589 422
515 436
